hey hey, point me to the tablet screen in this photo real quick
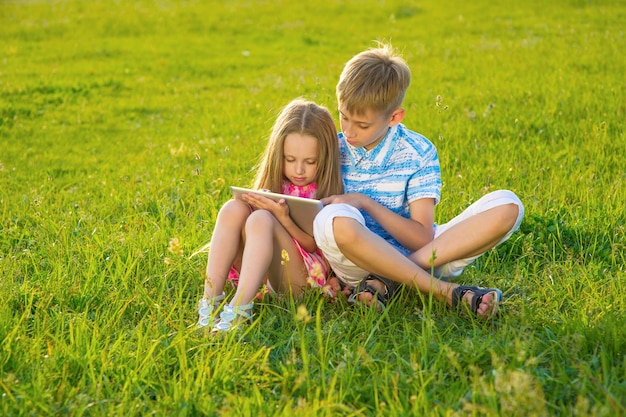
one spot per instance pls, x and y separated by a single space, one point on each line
301 210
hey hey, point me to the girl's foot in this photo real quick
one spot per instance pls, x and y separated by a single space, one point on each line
233 317
207 310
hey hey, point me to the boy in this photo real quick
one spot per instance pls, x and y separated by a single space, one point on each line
383 225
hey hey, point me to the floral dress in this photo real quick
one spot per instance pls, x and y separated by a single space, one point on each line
315 263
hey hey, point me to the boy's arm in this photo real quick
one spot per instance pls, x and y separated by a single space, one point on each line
412 233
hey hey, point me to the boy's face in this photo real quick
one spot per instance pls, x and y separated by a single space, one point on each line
368 129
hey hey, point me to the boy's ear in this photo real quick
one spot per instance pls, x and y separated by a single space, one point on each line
396 117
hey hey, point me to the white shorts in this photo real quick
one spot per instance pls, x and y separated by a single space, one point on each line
347 271
351 274
494 199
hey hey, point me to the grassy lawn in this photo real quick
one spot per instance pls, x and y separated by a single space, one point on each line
123 122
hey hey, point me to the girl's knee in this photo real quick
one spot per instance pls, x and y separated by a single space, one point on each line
260 219
235 208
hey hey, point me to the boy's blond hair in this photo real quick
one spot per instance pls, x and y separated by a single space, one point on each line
376 79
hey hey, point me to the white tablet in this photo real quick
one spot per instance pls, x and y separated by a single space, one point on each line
301 210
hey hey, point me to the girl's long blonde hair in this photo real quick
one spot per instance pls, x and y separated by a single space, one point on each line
306 118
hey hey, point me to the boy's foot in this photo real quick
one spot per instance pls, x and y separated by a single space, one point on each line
374 290
482 302
336 286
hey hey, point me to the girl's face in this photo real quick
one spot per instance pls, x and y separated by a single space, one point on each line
300 159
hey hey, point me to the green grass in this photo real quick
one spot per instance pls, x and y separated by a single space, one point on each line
122 122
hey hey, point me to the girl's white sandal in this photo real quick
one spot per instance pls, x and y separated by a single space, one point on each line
232 317
207 310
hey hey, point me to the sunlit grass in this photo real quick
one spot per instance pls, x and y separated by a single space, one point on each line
123 123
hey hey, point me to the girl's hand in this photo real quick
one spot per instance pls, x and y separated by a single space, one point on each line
279 209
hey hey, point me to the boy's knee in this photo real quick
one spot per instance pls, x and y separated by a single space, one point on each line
519 207
335 226
510 211
509 198
509 214
345 230
510 207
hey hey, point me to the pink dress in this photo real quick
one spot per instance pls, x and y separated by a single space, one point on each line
315 263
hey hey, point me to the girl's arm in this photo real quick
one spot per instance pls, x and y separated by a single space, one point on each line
412 233
305 240
280 211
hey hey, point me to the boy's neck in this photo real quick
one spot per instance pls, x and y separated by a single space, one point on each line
377 141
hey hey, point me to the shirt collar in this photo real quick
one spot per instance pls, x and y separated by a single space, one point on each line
377 155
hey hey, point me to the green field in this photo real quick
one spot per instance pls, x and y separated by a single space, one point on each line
123 122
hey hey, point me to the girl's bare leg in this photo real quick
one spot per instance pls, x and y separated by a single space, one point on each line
262 256
226 245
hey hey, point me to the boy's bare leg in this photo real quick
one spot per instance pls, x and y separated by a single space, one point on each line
226 245
372 253
468 238
262 256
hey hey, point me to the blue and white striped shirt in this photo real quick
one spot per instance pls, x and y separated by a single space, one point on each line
402 168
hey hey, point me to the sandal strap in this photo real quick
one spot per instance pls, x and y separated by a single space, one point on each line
232 316
477 297
364 288
390 286
206 309
381 298
244 310
207 306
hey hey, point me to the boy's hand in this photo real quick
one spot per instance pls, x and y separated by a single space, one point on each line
356 200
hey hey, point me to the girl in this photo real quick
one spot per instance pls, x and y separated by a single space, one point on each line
255 241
